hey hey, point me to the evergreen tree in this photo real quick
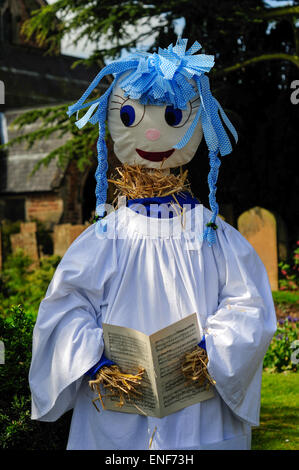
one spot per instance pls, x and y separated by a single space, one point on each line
256 47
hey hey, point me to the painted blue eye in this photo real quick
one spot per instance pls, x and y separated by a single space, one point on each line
173 116
127 115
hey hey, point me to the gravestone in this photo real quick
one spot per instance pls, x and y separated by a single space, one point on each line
64 235
26 241
258 226
75 231
61 238
28 227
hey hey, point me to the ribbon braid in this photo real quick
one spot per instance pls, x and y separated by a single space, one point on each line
161 79
210 231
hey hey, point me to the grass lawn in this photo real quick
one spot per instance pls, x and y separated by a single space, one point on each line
286 297
279 419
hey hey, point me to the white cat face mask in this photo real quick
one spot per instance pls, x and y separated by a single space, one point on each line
145 135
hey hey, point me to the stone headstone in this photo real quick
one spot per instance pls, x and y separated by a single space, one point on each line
28 227
64 235
75 231
26 241
61 238
258 226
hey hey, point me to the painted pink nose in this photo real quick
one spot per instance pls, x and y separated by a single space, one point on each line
152 134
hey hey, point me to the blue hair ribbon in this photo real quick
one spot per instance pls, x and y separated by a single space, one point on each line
161 79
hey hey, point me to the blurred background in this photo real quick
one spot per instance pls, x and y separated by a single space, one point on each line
49 53
255 44
46 63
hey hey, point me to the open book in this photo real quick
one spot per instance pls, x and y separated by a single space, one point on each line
164 389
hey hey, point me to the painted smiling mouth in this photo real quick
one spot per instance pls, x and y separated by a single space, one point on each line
155 156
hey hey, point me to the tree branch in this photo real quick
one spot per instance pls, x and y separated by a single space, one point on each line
296 34
277 12
264 57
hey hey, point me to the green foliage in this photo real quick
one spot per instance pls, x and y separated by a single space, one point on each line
114 22
17 430
8 228
43 235
284 297
278 357
289 272
256 48
20 284
44 238
94 21
278 428
54 120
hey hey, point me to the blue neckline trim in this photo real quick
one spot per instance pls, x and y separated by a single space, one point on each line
182 198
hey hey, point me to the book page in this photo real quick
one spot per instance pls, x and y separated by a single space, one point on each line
164 388
168 348
130 349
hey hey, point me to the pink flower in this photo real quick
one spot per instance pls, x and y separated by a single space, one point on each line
283 271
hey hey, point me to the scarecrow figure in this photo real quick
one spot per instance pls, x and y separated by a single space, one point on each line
154 260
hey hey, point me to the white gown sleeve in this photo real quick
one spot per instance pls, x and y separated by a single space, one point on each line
240 331
67 337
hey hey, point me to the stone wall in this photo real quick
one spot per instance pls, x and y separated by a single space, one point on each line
26 241
259 226
47 208
64 235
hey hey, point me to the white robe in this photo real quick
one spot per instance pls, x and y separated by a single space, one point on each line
144 281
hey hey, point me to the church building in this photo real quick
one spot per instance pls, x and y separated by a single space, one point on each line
31 79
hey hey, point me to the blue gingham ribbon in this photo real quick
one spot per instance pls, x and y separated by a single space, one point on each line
161 79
